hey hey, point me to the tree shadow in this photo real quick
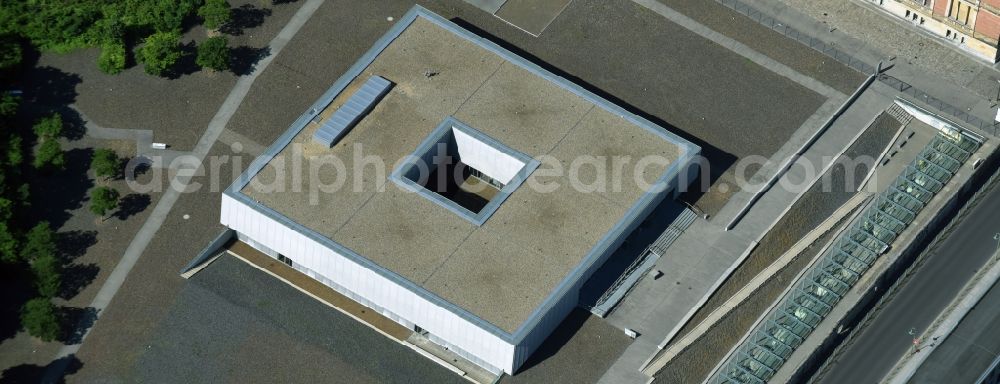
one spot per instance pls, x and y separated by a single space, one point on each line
243 59
74 127
76 322
30 373
48 89
279 2
75 277
16 285
131 205
54 196
73 244
187 64
244 17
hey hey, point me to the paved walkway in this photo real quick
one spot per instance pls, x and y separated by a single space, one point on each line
158 216
143 138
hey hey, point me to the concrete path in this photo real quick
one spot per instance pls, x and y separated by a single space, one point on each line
143 138
158 216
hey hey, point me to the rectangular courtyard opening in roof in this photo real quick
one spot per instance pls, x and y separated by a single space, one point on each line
463 170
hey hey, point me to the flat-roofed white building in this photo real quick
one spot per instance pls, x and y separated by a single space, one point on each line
481 254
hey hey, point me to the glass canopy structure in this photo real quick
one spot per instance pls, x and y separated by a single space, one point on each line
813 296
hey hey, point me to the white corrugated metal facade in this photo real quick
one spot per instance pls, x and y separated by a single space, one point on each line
365 285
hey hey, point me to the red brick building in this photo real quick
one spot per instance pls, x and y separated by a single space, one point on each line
971 25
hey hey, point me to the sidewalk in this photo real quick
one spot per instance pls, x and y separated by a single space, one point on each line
947 322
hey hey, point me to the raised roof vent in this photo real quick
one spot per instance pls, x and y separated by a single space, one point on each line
360 103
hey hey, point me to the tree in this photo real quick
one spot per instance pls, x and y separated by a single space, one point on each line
15 155
8 244
48 274
10 53
39 242
8 105
160 52
103 200
39 317
215 13
214 54
50 154
105 163
112 59
49 127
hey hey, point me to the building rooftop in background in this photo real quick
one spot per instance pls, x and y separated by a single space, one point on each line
500 244
971 26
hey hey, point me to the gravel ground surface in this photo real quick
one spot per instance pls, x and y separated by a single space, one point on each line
90 247
895 40
776 46
815 205
582 337
234 323
177 110
127 325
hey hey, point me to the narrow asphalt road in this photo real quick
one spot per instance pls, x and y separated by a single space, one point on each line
969 349
884 341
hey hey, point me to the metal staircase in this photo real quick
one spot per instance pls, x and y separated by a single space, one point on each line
899 113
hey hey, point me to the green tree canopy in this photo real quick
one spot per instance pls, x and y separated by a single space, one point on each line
15 154
48 274
40 241
105 163
10 53
112 59
103 200
213 53
160 52
216 13
64 25
49 127
50 154
8 244
39 318
8 105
